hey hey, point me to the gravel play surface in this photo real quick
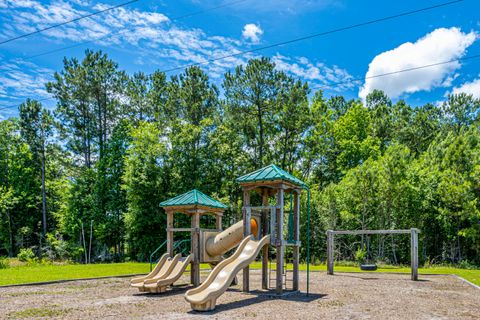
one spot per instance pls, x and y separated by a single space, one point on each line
343 296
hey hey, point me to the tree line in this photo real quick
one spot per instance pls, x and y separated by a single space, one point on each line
89 175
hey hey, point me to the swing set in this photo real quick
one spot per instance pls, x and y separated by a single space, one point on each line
369 266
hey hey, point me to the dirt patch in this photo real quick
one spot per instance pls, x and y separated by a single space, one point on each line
343 296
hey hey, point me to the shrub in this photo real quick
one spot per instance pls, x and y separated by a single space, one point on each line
56 248
465 264
26 255
4 264
360 255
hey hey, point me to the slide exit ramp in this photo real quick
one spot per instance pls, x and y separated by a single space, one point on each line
204 297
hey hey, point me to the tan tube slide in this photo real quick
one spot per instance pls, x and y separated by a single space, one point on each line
168 270
204 297
229 238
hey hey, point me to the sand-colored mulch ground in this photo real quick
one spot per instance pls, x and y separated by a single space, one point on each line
343 296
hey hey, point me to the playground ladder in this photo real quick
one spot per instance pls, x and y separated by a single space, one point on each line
285 276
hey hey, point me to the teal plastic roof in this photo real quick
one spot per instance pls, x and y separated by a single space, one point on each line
193 197
270 173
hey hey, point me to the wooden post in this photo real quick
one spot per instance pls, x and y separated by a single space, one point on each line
296 238
264 218
246 232
279 242
330 252
195 266
218 222
170 233
414 253
413 245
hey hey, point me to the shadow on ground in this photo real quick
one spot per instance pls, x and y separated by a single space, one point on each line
177 289
259 296
364 277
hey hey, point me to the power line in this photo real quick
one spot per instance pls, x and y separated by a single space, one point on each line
476 56
187 15
309 37
122 31
18 104
67 22
361 24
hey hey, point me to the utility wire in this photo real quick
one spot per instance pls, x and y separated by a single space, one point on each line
187 15
122 31
315 35
310 37
476 56
18 104
67 22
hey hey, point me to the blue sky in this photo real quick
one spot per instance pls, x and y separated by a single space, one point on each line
147 37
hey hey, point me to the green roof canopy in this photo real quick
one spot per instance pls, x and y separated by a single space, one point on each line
270 173
191 198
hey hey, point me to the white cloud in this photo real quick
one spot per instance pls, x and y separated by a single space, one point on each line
136 32
150 37
30 15
472 88
438 46
318 74
21 78
252 32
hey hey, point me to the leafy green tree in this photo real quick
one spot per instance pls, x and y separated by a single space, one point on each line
20 185
80 212
36 125
110 170
416 127
294 118
377 98
147 98
461 110
125 143
146 183
225 163
7 202
196 103
353 135
381 117
88 100
321 149
251 94
137 91
449 168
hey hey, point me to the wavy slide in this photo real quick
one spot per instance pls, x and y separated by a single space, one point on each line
204 297
166 272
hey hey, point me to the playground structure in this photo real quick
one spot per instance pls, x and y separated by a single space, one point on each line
267 182
261 227
413 246
170 267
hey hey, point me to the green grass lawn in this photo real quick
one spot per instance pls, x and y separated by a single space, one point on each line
472 275
40 273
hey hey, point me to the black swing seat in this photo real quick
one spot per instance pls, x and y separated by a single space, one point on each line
368 267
